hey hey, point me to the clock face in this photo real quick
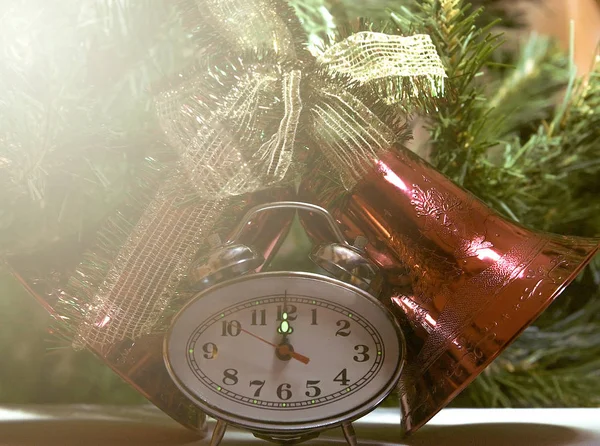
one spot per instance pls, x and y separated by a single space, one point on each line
285 351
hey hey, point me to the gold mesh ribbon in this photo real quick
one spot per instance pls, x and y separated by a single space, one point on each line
227 154
349 134
370 56
234 130
221 155
246 25
155 257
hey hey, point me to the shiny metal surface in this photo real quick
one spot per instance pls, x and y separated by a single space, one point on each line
349 265
287 205
225 263
218 433
342 260
463 281
47 425
140 362
349 434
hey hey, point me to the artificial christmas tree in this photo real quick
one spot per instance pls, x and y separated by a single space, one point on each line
79 140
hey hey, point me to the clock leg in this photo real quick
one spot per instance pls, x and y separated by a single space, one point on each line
218 433
349 434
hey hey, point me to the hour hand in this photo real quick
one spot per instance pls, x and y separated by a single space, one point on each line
283 350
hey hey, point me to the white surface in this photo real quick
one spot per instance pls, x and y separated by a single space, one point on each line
136 426
499 427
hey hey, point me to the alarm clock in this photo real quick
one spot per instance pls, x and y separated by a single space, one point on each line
285 354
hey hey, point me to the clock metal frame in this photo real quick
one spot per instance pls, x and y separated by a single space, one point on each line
284 432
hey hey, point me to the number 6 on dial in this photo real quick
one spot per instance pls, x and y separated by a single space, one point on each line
243 351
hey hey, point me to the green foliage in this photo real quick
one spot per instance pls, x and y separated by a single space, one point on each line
76 84
552 365
461 120
319 17
500 135
36 368
75 115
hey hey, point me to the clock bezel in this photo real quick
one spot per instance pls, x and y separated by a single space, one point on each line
299 427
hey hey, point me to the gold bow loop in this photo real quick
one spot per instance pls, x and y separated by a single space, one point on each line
234 130
216 147
226 150
349 133
370 56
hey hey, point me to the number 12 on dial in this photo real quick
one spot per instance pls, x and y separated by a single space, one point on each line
284 354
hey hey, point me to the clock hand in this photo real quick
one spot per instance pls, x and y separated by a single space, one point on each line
283 349
284 327
286 349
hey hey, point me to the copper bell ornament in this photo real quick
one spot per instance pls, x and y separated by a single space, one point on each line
463 281
139 362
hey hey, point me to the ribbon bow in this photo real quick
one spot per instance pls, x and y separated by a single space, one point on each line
235 126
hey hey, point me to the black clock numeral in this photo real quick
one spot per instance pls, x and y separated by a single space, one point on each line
362 353
291 311
260 385
283 391
344 330
210 350
313 390
342 378
314 317
232 328
230 377
263 317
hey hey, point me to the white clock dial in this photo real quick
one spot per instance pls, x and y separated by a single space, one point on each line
285 351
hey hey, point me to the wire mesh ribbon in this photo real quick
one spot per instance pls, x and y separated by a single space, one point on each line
234 129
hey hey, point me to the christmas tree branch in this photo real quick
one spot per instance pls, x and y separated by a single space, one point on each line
75 128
